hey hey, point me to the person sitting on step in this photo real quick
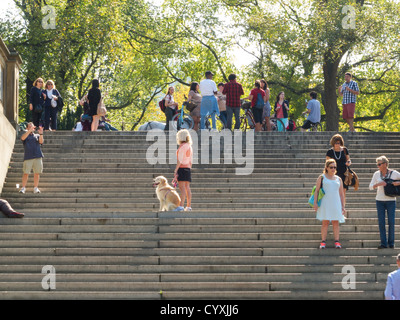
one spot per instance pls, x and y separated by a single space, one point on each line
7 210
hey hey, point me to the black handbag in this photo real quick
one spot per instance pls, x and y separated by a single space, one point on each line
60 104
38 108
390 189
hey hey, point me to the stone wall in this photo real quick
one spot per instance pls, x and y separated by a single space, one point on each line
7 141
10 64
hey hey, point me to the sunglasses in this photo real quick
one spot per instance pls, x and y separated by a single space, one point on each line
331 167
379 164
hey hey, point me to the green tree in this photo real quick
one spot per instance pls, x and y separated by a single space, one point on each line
308 45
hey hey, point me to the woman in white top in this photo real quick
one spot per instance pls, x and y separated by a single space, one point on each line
209 102
384 203
170 106
51 95
332 204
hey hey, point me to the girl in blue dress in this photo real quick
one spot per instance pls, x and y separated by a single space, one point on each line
332 207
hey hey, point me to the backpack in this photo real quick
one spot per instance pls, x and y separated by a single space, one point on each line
260 102
291 126
161 104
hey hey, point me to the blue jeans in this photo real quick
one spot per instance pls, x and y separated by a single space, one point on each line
209 106
383 207
223 116
230 111
213 121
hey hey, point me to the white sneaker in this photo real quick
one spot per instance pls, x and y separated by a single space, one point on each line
22 190
36 190
188 209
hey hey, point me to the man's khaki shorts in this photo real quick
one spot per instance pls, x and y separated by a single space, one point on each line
35 164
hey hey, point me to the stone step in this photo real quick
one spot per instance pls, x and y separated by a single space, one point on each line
78 295
196 204
271 137
195 277
78 171
291 262
227 216
199 177
190 269
89 197
170 146
198 191
64 239
275 295
281 162
230 172
189 286
263 198
203 252
191 295
199 140
96 222
61 240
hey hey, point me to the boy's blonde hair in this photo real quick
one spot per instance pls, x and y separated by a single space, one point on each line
183 136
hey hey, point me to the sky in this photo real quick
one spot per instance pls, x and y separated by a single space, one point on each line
241 58
5 4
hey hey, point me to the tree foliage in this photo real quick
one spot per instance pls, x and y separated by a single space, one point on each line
137 49
304 46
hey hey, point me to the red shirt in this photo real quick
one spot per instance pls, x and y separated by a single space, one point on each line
254 93
279 113
233 90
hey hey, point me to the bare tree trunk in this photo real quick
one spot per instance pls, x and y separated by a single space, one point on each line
330 69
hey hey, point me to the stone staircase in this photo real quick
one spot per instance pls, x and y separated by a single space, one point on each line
249 236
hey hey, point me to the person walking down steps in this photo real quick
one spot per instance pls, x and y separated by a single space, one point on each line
332 207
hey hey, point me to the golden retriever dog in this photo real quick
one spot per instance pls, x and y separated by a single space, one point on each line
166 194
